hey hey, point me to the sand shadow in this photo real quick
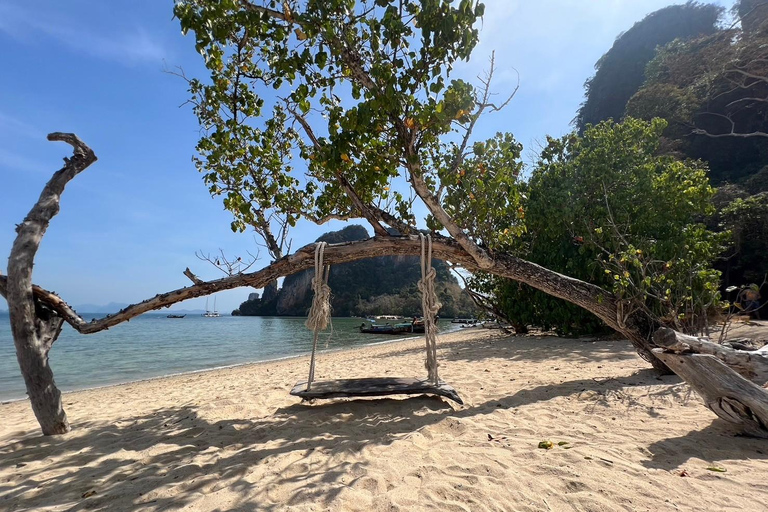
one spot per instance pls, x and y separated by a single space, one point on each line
714 443
531 349
170 457
142 458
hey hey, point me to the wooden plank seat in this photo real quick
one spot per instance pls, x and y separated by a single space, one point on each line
376 386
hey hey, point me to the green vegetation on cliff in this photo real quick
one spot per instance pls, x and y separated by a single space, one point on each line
375 286
606 208
620 72
710 83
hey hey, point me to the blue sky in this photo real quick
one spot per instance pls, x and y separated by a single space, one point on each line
132 222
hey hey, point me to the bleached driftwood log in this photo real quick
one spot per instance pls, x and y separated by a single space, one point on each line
36 326
752 365
729 381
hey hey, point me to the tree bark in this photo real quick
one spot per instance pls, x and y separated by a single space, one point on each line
726 393
34 326
752 365
592 298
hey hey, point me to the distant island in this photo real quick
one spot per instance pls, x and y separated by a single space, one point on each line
375 286
114 307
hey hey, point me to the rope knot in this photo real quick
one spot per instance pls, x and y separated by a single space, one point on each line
430 306
320 312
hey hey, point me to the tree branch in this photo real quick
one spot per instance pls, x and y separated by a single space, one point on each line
364 209
732 133
596 299
481 258
192 277
30 233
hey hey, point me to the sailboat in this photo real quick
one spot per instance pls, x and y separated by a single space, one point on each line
208 313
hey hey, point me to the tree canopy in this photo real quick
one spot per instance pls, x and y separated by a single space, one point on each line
712 89
357 92
606 208
314 110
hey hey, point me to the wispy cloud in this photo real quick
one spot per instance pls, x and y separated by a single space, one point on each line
11 126
14 162
129 47
548 42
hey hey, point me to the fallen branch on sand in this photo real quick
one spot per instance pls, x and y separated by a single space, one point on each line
728 380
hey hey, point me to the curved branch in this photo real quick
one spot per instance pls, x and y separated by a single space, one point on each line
592 297
30 234
479 256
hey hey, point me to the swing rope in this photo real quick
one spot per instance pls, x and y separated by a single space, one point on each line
430 306
320 312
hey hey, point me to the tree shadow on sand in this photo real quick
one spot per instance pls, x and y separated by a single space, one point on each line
714 443
171 457
532 349
166 458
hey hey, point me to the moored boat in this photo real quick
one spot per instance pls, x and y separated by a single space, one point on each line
208 313
387 328
416 326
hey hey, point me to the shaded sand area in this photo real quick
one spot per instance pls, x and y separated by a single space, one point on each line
234 439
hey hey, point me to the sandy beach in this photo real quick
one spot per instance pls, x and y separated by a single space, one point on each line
234 439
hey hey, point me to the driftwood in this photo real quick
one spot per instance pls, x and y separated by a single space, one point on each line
728 380
376 386
725 392
34 326
752 365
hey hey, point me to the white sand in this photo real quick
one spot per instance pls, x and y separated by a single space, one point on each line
234 439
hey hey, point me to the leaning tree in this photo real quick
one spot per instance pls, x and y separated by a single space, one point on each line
329 109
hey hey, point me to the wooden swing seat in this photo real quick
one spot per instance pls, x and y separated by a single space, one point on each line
375 386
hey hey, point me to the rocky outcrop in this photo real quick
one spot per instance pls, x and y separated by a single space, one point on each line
381 285
295 295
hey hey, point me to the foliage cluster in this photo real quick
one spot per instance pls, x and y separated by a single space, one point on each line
343 86
713 91
606 209
747 219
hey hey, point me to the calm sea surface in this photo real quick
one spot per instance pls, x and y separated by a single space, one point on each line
153 345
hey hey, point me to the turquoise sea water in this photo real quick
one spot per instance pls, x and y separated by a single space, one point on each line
153 345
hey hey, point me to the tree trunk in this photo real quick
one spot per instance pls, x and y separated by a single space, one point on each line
35 326
725 392
32 347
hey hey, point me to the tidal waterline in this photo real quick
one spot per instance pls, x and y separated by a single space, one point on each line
153 345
